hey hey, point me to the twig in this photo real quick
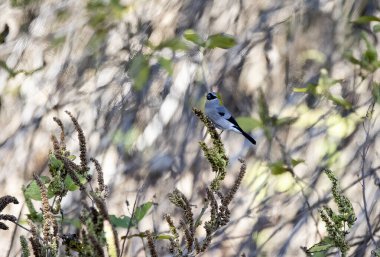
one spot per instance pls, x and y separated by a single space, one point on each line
14 232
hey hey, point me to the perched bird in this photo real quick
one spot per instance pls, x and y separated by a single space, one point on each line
221 117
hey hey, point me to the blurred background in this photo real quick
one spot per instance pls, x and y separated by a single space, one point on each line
300 76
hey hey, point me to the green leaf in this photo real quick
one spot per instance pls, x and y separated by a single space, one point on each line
125 221
69 183
278 168
366 19
194 37
248 123
341 102
285 121
263 109
300 89
33 191
295 162
370 55
164 237
174 44
139 71
141 211
352 59
166 64
324 245
54 163
220 40
122 221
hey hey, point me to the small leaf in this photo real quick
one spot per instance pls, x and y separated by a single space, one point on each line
263 109
221 40
194 37
71 157
300 89
352 59
366 19
248 123
164 237
341 102
324 245
295 162
141 211
370 55
122 221
166 64
285 121
278 168
174 44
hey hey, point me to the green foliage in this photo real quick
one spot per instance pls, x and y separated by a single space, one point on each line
128 222
366 19
322 88
139 71
220 40
369 60
280 167
337 224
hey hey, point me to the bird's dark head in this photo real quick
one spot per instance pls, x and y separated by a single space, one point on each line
211 96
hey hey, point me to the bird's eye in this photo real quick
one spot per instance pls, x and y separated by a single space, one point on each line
210 96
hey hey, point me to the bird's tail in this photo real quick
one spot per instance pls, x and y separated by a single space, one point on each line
248 136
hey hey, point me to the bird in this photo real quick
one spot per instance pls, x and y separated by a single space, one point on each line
221 117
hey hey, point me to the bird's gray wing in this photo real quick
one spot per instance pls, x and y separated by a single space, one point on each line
223 112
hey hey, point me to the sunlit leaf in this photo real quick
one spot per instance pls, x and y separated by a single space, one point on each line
164 237
278 167
125 221
366 19
324 245
122 221
174 44
248 123
194 37
285 121
141 211
221 40
300 89
295 162
341 102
